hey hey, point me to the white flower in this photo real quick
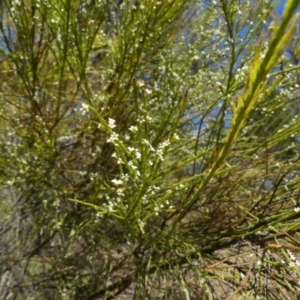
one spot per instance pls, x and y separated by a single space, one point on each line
164 144
131 149
141 120
84 109
133 128
138 154
110 206
120 161
258 262
292 256
132 166
149 145
140 83
111 123
120 192
125 177
291 264
296 209
159 153
113 137
148 118
117 181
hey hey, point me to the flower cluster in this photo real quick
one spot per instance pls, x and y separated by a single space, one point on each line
84 109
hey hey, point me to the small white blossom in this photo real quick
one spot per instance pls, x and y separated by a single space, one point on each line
120 161
120 192
149 145
161 146
130 163
292 256
111 123
110 206
113 137
176 137
142 224
159 153
140 83
84 109
141 120
296 209
133 128
125 177
148 91
164 144
291 264
131 149
117 181
138 154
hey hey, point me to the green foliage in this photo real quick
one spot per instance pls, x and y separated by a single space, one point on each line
148 150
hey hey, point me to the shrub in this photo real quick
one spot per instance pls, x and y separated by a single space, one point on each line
148 150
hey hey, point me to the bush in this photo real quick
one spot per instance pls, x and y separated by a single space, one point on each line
149 150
